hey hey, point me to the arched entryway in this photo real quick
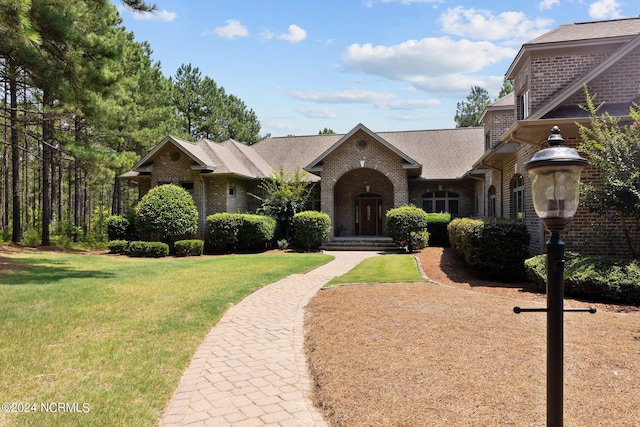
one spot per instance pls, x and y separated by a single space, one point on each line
368 216
362 197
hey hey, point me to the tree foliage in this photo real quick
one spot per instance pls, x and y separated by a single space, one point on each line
613 150
468 112
208 111
286 194
82 101
506 89
326 131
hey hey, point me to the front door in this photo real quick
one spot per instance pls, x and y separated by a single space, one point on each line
368 218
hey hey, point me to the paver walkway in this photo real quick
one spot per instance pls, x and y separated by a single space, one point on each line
251 369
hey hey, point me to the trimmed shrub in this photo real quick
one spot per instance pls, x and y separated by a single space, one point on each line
595 278
311 228
407 226
239 232
420 239
189 247
118 246
167 211
223 232
437 227
140 249
493 248
255 233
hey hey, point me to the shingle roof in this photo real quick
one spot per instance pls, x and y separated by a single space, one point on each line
443 153
292 151
583 31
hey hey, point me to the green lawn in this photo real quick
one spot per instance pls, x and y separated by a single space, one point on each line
382 269
114 334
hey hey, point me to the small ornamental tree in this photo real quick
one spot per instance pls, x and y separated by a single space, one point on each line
286 194
407 226
167 212
613 150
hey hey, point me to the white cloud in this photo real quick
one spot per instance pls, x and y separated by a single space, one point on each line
605 9
432 64
344 97
232 30
548 4
318 112
160 15
381 100
409 104
295 34
481 24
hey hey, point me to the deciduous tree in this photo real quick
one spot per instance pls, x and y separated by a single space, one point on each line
613 150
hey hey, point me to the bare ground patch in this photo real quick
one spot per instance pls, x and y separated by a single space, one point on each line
454 353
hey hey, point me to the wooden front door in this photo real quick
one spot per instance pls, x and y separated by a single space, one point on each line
368 218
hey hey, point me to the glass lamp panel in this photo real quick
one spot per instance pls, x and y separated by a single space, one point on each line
555 191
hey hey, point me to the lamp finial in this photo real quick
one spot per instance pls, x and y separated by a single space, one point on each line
555 139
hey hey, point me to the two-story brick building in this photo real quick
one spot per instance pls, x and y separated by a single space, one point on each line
465 171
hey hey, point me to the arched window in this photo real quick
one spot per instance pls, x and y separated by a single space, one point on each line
491 195
517 200
441 201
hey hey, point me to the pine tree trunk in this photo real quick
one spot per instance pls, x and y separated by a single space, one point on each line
47 140
16 235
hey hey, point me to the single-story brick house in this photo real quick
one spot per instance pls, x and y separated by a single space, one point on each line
465 171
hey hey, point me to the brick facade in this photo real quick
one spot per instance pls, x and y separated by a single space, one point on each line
359 162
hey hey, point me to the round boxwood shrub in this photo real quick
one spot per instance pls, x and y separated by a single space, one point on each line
311 228
407 226
167 211
223 229
256 232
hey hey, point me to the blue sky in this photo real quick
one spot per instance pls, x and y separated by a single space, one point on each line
303 65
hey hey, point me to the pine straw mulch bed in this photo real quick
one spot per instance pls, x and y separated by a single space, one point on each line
453 353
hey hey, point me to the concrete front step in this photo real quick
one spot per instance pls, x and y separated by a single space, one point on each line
360 243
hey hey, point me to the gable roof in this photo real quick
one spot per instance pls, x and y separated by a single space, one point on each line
228 157
408 162
200 158
578 84
582 34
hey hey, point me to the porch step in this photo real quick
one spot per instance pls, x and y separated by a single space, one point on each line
361 243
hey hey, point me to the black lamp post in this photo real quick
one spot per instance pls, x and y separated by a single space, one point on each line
555 181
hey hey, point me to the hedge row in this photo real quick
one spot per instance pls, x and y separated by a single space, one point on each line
155 249
493 248
141 249
437 224
239 232
595 278
190 247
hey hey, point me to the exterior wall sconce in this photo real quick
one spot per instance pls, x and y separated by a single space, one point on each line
367 188
361 163
555 184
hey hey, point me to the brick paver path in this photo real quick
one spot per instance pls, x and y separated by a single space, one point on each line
251 369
